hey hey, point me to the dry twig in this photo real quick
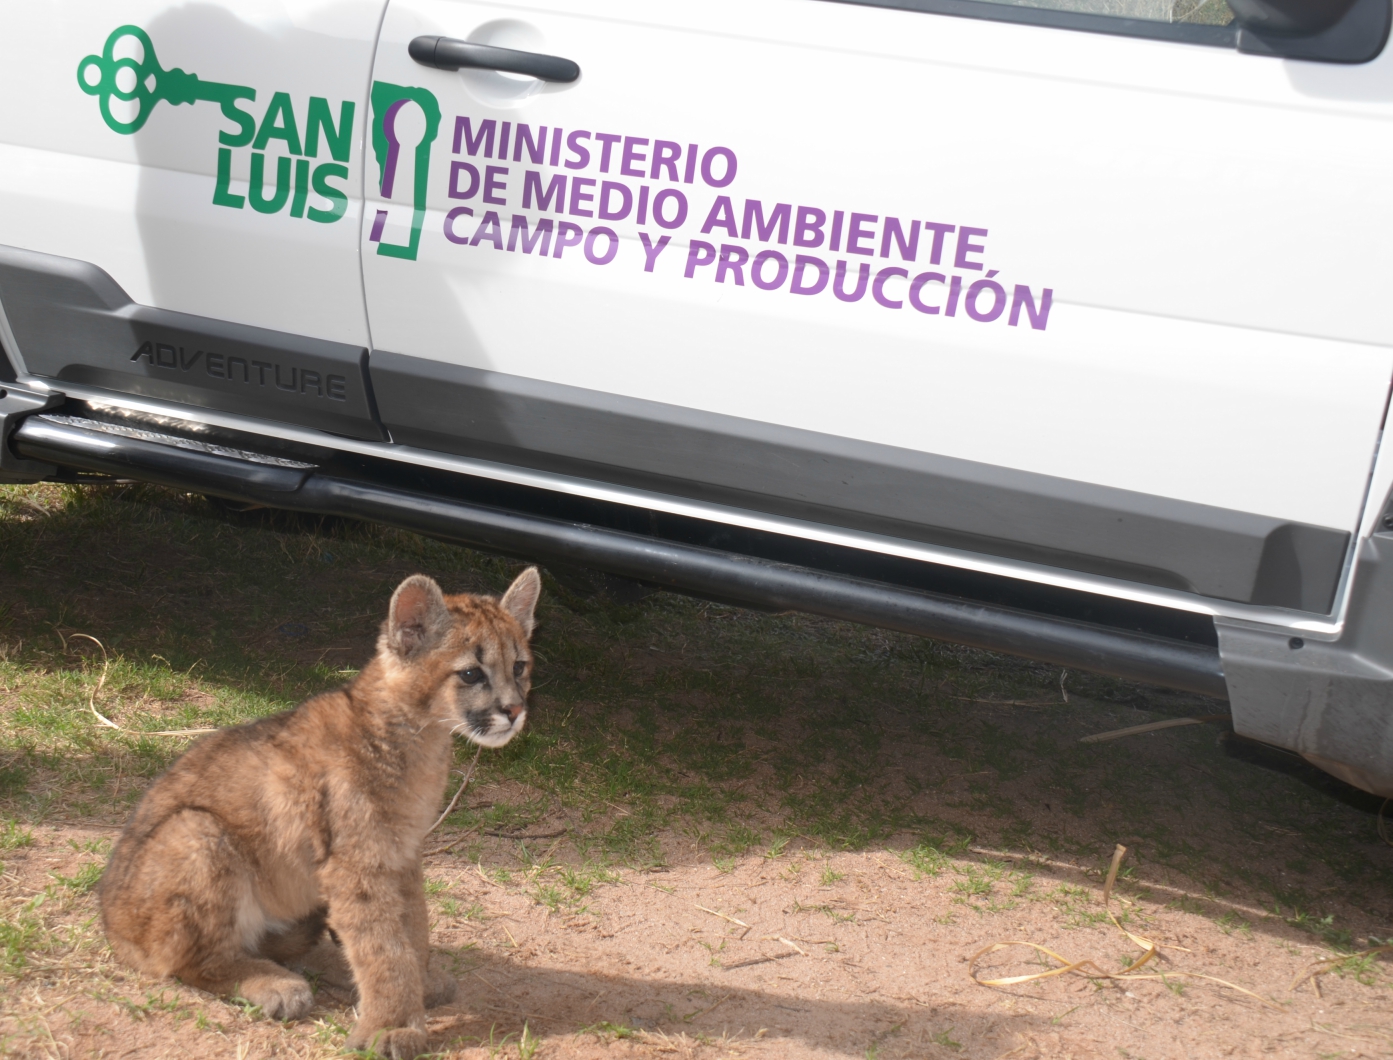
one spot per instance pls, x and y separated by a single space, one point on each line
1155 726
1149 949
722 916
104 720
1328 964
463 784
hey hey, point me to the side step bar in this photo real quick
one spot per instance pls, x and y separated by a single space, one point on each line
89 445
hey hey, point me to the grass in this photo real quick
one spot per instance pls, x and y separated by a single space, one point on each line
670 728
1364 968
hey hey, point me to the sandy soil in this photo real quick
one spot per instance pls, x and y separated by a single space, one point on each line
801 955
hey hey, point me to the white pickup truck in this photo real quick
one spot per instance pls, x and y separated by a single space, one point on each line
1056 327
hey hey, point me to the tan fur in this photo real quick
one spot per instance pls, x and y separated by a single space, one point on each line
263 835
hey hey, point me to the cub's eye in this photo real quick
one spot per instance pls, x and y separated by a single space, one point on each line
472 676
519 668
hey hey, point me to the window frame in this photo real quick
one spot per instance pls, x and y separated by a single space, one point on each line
1347 42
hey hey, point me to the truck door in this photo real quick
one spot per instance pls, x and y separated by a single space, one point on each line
1105 298
180 192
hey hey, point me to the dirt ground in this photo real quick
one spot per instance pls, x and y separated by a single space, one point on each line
796 953
722 834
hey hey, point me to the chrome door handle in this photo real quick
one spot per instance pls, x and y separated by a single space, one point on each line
447 53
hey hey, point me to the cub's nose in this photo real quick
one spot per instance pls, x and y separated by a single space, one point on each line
512 710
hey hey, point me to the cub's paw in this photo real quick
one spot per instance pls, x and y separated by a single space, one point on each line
440 988
286 997
399 1043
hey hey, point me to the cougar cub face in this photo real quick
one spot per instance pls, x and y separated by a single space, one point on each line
488 695
473 649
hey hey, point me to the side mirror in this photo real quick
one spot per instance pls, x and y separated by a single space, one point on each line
1331 31
1295 18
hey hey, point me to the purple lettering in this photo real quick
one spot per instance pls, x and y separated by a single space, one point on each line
998 301
489 229
732 260
652 250
807 227
939 231
493 184
834 244
582 158
698 253
450 233
542 234
878 288
800 265
555 147
908 244
1022 297
456 170
555 191
665 156
756 270
503 140
856 233
966 246
632 157
690 174
955 291
536 150
609 140
608 255
579 196
754 218
626 198
863 276
917 285
568 234
722 215
674 195
706 166
472 140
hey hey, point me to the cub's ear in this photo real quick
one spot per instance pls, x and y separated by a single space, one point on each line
521 598
417 618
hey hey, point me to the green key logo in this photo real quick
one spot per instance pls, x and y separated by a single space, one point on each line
141 84
405 122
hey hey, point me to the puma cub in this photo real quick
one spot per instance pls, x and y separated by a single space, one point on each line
263 835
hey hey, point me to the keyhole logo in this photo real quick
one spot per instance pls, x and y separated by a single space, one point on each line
405 122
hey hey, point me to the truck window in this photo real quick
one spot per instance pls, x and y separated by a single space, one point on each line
1330 31
1199 12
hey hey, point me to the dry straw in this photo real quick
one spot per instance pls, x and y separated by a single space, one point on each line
1329 964
1087 967
104 720
459 791
1155 726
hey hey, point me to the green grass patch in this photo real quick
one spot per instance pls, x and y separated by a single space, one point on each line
669 727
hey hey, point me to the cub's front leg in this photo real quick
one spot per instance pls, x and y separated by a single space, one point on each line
374 919
440 987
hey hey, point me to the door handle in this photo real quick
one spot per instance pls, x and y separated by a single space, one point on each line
447 53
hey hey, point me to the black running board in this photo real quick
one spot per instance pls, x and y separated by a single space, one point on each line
749 581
